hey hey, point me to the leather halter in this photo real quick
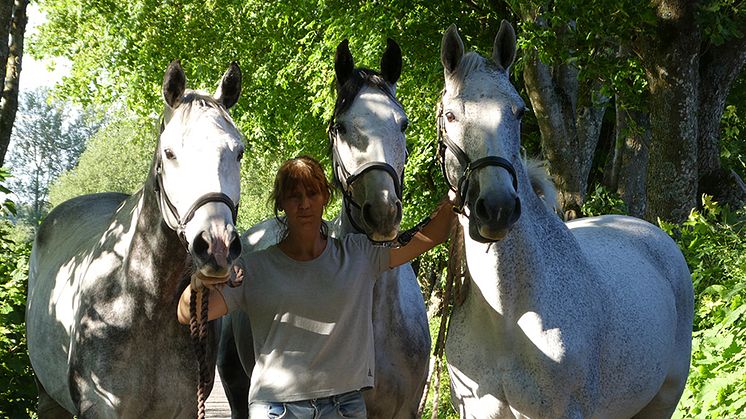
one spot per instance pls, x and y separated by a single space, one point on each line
445 143
166 205
346 179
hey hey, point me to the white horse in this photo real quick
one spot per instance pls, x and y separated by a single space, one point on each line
107 270
369 152
590 319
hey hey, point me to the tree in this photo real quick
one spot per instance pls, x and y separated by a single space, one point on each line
48 141
577 56
13 21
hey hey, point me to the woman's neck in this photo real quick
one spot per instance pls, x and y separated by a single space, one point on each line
303 247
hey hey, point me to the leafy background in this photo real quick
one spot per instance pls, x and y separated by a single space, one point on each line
119 51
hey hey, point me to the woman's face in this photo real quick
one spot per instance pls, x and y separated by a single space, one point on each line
303 208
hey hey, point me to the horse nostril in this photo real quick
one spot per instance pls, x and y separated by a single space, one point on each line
234 250
481 210
368 213
200 246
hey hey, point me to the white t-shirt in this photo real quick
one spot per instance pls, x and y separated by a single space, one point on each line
311 320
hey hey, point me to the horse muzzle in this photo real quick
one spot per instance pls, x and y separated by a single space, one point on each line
215 249
492 216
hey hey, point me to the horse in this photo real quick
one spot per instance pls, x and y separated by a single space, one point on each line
589 319
368 147
106 270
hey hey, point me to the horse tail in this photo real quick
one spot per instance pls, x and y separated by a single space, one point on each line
542 183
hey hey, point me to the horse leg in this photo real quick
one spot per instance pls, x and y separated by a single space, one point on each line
47 407
664 403
232 375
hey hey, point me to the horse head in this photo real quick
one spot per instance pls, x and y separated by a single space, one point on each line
367 139
198 167
479 121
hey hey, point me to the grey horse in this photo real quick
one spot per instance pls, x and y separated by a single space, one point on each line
106 270
589 319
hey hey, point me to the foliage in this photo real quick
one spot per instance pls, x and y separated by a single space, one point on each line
732 144
18 393
119 51
602 201
116 159
445 407
714 245
47 140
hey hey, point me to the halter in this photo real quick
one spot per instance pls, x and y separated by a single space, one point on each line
346 179
445 143
165 203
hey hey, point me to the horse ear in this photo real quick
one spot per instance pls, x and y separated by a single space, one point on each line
503 52
343 63
174 84
391 62
230 86
451 49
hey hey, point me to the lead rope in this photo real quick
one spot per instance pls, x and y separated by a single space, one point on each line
453 294
198 331
435 368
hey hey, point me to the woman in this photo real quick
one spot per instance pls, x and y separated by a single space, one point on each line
309 299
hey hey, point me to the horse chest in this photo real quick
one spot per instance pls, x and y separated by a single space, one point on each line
517 364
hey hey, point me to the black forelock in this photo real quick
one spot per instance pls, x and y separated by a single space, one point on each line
360 77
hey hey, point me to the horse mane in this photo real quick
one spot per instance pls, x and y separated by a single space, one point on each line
542 183
471 62
347 93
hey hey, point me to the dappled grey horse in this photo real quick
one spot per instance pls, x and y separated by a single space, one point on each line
369 152
107 270
590 319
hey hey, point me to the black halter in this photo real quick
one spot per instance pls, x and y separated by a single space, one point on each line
165 203
346 179
445 143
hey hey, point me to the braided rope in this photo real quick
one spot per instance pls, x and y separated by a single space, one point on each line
198 332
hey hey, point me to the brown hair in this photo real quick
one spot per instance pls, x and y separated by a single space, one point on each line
302 170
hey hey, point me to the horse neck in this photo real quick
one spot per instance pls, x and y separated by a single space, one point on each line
157 261
534 257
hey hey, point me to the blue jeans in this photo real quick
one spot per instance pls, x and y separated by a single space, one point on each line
346 405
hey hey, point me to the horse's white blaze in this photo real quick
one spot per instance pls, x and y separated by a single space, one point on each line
373 123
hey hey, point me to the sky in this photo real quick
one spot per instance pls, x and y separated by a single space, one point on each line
35 74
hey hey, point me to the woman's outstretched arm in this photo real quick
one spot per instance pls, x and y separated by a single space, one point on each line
432 234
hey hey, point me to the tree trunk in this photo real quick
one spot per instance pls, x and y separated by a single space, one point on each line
569 132
12 73
719 67
627 172
671 61
6 16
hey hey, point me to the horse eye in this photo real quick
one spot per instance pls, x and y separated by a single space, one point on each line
450 116
340 127
169 154
404 125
